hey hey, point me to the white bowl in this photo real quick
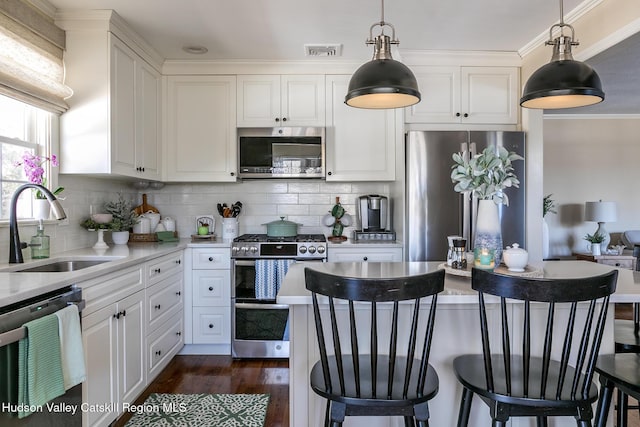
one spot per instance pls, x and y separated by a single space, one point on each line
102 218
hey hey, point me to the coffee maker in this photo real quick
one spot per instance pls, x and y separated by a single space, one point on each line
373 212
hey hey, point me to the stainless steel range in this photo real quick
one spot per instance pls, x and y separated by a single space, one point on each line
259 263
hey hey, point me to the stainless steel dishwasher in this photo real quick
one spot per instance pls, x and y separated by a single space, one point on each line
12 318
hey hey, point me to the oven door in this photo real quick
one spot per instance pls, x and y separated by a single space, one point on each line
259 326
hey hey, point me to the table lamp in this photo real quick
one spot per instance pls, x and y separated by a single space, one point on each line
601 212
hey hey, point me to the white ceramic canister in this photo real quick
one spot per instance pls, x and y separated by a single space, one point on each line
143 226
229 228
169 223
154 217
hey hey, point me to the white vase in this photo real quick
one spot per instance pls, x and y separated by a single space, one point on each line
488 230
545 239
120 237
41 209
596 249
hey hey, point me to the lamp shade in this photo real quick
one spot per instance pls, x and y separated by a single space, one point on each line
601 211
562 84
382 83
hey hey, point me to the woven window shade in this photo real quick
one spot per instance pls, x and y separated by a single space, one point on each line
31 57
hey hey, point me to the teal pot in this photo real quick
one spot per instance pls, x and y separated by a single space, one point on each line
282 228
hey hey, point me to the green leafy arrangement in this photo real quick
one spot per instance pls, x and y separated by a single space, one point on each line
548 205
486 174
124 217
594 238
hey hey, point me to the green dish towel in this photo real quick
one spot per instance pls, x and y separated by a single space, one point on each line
40 376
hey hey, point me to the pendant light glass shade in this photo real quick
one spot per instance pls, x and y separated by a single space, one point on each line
382 82
564 82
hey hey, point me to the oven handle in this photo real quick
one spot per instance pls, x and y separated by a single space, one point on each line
244 263
249 305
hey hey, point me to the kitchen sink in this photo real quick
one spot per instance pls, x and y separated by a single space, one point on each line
61 266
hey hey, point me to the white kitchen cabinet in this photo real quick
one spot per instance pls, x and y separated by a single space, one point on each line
209 283
114 344
287 100
113 124
468 95
354 253
164 303
360 143
201 143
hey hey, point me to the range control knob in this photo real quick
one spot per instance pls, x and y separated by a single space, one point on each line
302 249
235 250
244 249
312 249
321 249
253 249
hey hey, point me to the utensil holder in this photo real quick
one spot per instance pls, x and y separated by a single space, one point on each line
229 228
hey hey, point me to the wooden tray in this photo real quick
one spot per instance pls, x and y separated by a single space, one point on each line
529 271
143 237
200 237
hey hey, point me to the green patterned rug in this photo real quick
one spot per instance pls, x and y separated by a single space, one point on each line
201 410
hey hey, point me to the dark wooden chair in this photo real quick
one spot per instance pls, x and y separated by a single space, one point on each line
622 372
627 332
392 377
524 384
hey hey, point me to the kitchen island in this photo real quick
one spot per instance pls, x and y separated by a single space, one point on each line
456 332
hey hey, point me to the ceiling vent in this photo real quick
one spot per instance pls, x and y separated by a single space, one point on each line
323 49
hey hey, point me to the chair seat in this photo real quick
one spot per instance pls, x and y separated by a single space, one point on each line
627 341
469 370
351 397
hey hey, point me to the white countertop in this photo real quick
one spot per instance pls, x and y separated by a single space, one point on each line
16 287
457 289
363 244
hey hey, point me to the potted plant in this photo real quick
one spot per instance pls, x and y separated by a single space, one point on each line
548 206
594 242
124 217
34 169
485 176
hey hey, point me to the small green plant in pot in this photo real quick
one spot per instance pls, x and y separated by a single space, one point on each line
124 217
594 240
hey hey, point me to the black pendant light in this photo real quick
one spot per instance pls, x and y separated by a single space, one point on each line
382 82
564 82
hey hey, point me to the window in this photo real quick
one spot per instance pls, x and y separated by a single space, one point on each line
23 128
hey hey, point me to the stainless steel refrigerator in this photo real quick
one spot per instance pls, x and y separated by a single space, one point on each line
434 210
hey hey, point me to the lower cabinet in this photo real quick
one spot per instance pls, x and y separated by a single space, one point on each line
164 343
114 344
359 254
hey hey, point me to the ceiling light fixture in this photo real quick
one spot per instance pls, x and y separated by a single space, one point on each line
195 49
382 82
564 82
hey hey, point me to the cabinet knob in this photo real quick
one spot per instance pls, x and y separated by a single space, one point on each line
178 261
284 119
211 325
124 313
178 293
457 114
211 288
329 173
277 119
233 174
365 258
178 333
157 307
157 270
465 115
158 353
210 258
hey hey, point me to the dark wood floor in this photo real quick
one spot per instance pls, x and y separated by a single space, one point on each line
222 374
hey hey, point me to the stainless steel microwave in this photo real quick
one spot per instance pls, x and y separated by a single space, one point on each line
283 152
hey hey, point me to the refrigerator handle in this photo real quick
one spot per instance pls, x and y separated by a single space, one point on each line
465 225
472 201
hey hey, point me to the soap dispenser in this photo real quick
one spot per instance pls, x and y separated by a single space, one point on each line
40 243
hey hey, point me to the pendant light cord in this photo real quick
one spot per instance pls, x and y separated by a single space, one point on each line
382 24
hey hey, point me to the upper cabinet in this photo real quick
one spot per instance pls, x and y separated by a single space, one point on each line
113 124
201 129
360 143
467 95
287 100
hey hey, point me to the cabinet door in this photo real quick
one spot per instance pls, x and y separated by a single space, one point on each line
490 94
360 143
99 337
131 351
212 325
440 89
201 128
303 100
148 122
211 288
259 101
123 108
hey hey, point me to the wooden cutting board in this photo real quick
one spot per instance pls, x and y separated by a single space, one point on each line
145 207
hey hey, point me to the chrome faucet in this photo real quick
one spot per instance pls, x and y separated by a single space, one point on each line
15 246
